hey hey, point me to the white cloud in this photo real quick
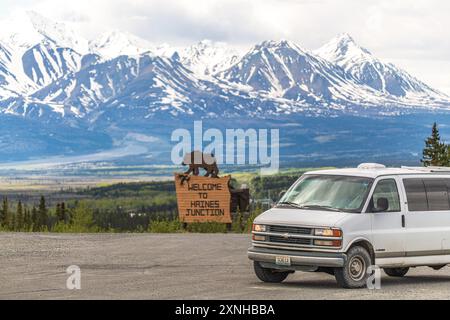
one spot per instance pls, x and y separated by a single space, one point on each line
414 33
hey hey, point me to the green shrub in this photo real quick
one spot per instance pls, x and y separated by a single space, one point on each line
62 227
82 221
165 226
236 226
207 227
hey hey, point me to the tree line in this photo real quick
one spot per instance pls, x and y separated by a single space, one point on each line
35 219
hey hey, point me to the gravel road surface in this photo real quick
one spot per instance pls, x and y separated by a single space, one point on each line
173 266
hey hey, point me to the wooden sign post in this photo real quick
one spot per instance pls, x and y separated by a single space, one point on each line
203 199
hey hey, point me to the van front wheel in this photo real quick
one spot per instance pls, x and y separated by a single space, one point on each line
269 275
396 272
354 273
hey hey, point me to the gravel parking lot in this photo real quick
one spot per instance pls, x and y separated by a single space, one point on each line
173 266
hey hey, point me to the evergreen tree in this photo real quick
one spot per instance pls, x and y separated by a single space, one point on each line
2 217
26 219
42 214
64 212
35 219
435 152
61 212
12 222
19 223
6 214
58 212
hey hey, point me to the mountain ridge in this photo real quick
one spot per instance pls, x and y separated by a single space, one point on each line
119 83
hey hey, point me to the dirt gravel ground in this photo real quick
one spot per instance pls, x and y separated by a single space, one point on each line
173 266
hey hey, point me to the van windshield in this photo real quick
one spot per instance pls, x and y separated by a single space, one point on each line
328 192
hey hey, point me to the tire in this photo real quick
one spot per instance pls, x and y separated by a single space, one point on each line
269 275
396 272
354 273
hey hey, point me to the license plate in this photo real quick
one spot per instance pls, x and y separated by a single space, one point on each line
283 260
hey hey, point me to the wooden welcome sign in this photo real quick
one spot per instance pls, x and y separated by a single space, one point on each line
203 199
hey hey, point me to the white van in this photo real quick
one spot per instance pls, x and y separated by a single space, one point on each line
343 221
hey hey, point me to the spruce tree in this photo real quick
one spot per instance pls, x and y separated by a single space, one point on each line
26 219
63 212
6 214
60 214
12 222
435 152
2 217
35 219
19 225
42 213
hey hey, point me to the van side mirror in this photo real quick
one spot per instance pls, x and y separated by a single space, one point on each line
282 193
382 205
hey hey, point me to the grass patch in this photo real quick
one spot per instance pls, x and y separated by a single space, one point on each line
165 226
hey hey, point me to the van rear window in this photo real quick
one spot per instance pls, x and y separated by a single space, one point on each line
416 194
427 194
437 194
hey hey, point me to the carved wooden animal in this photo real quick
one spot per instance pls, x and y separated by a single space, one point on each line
197 160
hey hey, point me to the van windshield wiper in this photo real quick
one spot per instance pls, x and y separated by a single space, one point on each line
315 206
289 203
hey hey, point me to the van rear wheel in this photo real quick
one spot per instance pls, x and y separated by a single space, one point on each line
354 273
269 275
396 272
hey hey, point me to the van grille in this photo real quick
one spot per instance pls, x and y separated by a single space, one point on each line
289 229
301 241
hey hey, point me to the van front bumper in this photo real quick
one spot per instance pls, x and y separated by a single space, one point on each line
298 258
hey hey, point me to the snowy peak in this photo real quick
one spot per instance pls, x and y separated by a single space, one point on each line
208 57
371 71
279 45
343 50
116 43
282 69
58 32
26 29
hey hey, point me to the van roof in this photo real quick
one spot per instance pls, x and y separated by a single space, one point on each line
374 170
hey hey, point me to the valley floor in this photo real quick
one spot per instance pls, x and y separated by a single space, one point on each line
173 266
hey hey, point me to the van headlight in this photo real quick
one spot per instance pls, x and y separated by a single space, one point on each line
328 232
259 228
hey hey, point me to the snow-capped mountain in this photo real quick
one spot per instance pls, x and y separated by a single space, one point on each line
29 28
282 69
371 71
208 57
38 51
123 83
50 74
116 43
47 61
8 80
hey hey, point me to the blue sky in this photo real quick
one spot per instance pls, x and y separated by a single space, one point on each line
413 34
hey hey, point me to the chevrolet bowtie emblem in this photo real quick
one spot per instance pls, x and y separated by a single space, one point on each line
286 235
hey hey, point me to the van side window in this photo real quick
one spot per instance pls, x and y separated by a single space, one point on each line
430 194
437 194
387 189
416 195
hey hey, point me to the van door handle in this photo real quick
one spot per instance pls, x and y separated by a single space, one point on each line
403 221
